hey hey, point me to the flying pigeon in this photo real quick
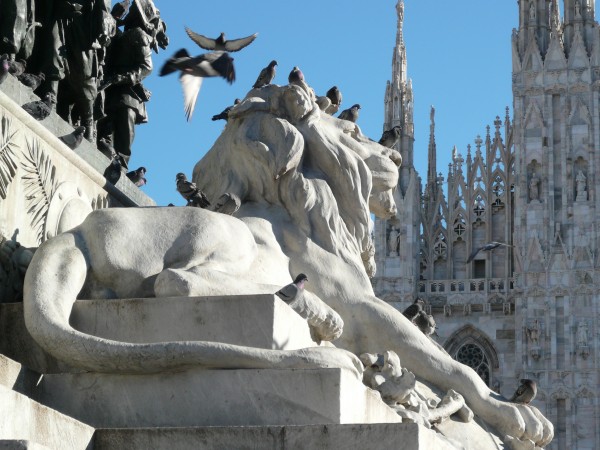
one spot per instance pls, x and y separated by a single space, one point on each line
426 323
526 392
335 96
4 68
74 139
220 43
31 80
189 191
224 115
289 292
296 76
390 137
486 248
350 114
266 75
413 310
41 109
194 70
137 176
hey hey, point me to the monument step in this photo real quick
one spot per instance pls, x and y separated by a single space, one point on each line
17 377
408 436
199 397
24 421
262 321
21 445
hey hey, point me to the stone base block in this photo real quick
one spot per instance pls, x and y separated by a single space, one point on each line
215 398
262 321
407 436
23 420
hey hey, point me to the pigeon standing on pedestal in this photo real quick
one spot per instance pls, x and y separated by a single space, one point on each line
31 80
74 139
526 392
194 69
220 43
224 115
289 292
335 96
413 310
41 109
266 75
137 176
189 191
390 137
350 114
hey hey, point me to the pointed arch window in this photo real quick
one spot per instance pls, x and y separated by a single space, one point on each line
473 348
472 355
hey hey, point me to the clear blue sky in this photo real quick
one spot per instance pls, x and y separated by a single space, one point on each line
459 58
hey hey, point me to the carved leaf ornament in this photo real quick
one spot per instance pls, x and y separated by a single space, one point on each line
8 156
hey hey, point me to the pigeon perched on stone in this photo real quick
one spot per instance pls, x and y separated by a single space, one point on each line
296 76
189 191
220 43
17 68
3 70
350 114
41 109
266 75
32 80
335 96
486 248
113 172
194 70
413 310
74 139
425 322
526 392
106 149
390 137
224 115
289 292
137 176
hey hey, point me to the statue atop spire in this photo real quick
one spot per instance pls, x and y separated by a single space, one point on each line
399 33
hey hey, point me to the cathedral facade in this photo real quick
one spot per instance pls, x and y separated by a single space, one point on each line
530 307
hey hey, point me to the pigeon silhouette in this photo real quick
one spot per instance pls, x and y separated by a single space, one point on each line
224 115
425 322
137 176
113 172
189 191
526 392
350 114
390 137
74 139
296 76
266 75
41 109
289 292
194 69
220 43
334 95
31 80
413 310
486 248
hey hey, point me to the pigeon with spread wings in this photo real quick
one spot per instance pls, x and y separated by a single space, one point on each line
194 69
220 43
486 248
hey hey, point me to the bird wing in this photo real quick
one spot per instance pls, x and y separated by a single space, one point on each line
191 87
519 392
203 41
288 293
473 254
238 44
262 77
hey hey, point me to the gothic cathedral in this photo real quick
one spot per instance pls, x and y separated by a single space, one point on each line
505 256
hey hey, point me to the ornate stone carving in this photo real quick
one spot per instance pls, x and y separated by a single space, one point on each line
8 155
40 183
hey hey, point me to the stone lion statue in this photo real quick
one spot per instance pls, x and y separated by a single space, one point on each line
307 184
